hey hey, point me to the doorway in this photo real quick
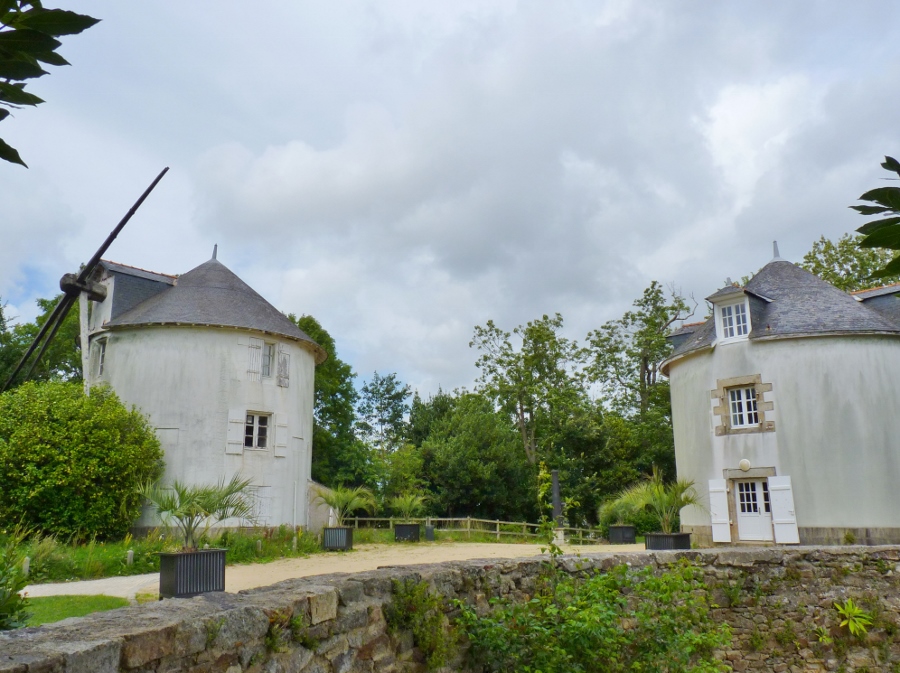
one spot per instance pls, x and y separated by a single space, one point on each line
754 510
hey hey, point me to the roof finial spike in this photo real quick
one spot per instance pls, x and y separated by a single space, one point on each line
215 250
775 250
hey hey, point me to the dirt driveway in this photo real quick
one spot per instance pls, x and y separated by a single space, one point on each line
373 556
363 557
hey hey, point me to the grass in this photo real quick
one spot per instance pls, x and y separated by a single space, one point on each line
56 561
49 609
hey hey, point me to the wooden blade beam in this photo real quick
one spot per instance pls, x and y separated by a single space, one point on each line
72 286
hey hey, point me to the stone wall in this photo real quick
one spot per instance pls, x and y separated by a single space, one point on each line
774 599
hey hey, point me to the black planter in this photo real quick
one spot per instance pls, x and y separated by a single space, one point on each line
406 532
429 533
338 538
621 535
190 573
667 541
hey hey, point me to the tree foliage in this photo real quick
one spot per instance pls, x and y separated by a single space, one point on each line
62 359
884 233
846 265
536 383
338 457
71 464
382 412
625 354
475 466
28 41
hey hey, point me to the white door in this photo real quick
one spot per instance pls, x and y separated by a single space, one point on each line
754 510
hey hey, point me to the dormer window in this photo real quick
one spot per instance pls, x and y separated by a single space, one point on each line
734 321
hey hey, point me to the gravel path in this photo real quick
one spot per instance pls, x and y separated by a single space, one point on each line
363 557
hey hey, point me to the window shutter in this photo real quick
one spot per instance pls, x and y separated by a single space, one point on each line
281 438
234 441
718 510
254 370
784 519
284 367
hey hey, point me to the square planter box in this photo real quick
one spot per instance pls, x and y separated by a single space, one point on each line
622 535
667 541
406 532
186 574
337 538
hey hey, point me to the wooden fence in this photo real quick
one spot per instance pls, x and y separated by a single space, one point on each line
469 525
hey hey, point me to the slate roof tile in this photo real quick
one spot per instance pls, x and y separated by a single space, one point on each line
212 294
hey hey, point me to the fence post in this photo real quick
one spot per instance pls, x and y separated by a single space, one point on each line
26 566
129 558
468 528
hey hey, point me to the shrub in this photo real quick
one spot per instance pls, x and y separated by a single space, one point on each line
71 464
629 620
12 581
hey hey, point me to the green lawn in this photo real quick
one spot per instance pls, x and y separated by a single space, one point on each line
54 608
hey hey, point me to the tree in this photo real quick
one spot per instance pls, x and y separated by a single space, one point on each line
625 354
28 35
338 457
535 384
382 412
475 465
883 233
424 415
845 264
61 361
72 464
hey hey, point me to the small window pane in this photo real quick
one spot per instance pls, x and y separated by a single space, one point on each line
263 432
727 322
740 320
267 357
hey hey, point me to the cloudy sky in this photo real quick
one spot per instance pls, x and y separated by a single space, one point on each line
405 170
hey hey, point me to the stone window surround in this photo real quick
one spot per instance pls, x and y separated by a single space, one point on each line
723 411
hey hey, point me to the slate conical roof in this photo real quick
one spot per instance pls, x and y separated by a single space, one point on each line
789 302
212 295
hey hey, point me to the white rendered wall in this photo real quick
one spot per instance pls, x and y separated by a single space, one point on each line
837 425
186 379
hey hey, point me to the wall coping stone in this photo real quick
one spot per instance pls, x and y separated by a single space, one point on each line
228 630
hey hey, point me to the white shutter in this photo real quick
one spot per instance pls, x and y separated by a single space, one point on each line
234 439
254 369
718 510
281 439
784 519
284 367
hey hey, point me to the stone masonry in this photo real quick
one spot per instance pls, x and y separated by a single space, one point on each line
778 601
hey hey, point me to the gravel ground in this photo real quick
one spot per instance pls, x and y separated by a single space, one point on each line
363 557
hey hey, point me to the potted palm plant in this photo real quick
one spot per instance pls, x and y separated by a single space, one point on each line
344 501
664 501
194 571
614 513
406 506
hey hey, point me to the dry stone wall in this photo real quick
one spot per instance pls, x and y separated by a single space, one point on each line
779 602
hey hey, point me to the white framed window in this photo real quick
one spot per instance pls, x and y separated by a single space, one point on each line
268 359
256 431
733 321
101 356
742 407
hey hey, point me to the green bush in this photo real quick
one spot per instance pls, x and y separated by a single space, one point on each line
623 620
12 581
70 464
